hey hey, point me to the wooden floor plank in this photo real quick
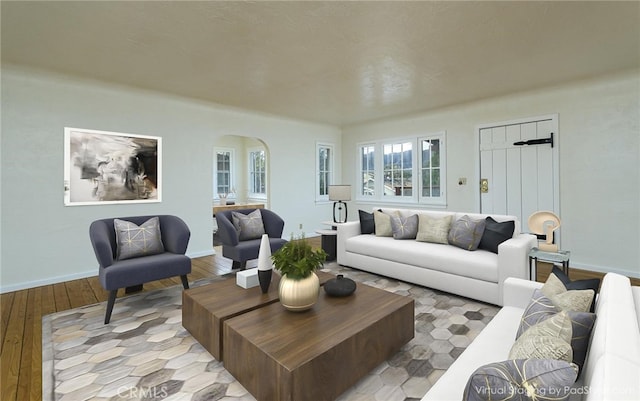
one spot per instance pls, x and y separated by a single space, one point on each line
31 354
61 297
6 303
80 293
12 348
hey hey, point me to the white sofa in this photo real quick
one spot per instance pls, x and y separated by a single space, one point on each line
612 368
475 274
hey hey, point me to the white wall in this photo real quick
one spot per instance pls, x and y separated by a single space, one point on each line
599 145
46 242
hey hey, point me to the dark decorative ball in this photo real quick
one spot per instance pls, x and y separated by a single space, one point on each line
339 286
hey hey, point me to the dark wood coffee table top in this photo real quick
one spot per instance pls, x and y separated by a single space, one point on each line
205 308
318 354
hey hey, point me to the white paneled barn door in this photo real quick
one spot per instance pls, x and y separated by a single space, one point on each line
519 167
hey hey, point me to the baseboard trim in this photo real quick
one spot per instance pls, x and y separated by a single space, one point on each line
47 281
69 277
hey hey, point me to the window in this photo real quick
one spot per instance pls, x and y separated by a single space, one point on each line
257 174
324 172
430 170
223 172
397 169
368 174
409 170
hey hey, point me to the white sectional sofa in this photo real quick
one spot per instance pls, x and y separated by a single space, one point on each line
478 274
612 368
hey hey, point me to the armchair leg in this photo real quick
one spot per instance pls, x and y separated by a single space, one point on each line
185 282
110 302
133 288
239 265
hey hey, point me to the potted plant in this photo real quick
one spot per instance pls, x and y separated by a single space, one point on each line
297 262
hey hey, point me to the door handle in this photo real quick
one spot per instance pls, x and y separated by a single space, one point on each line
484 185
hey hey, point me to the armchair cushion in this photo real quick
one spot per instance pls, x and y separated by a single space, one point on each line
249 226
134 241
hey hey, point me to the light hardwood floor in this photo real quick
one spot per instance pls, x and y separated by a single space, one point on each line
21 320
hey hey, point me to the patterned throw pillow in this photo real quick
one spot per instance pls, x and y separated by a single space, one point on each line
404 227
541 308
133 241
575 300
592 283
521 379
383 223
466 233
432 229
495 234
249 226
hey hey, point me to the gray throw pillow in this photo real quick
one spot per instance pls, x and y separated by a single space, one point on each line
521 379
575 300
249 226
133 241
404 227
466 233
433 229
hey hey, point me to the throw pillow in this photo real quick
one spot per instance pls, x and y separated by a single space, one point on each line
521 379
433 229
383 223
404 227
541 347
495 234
588 284
575 300
367 223
541 308
249 226
466 233
133 241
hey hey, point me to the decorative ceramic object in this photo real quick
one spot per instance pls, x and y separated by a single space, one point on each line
265 266
298 295
340 286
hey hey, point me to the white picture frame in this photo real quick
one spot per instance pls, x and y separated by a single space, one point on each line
102 167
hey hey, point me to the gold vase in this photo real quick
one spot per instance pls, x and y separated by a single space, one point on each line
299 295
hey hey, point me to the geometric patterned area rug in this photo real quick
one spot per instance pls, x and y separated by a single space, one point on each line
146 354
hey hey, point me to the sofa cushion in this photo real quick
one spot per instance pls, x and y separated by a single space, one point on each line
495 233
367 222
548 339
433 229
133 241
587 284
249 226
466 233
404 227
521 379
480 265
383 223
575 300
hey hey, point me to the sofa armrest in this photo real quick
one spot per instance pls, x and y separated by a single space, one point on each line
513 258
517 292
345 231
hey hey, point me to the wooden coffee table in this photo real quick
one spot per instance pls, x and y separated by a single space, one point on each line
318 354
205 308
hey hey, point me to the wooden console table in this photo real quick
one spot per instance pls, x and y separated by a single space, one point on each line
221 208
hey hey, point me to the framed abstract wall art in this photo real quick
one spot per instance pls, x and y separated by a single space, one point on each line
110 167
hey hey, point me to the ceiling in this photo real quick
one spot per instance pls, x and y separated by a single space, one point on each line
338 63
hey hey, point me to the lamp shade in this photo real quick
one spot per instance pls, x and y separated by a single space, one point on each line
340 192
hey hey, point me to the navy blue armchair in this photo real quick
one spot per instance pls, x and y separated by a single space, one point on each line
132 273
242 251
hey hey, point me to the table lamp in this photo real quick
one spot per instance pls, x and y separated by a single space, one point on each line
339 194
